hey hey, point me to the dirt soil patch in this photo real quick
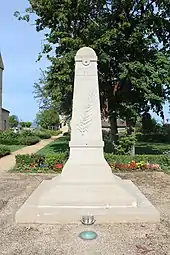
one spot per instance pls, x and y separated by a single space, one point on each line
116 239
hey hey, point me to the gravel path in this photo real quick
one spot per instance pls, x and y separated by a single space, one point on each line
117 239
8 162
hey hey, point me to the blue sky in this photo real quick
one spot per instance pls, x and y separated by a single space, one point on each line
20 45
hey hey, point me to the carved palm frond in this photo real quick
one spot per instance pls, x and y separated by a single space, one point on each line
86 117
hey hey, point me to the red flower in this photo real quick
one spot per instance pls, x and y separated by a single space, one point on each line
58 166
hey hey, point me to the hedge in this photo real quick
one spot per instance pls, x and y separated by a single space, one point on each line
51 132
56 161
39 162
28 140
37 133
8 138
154 137
23 138
4 150
156 159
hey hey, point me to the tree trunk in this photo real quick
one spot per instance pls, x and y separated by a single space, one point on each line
130 127
114 129
133 150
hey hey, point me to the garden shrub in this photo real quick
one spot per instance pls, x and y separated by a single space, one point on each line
124 145
22 160
9 137
59 158
42 135
154 137
4 150
108 143
40 162
66 134
162 160
25 137
26 133
157 159
37 133
28 140
126 141
51 132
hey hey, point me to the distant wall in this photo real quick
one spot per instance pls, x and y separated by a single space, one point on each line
5 120
1 122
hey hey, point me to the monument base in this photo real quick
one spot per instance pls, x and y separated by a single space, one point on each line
65 203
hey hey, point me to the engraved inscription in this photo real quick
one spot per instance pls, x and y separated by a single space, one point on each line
86 72
86 117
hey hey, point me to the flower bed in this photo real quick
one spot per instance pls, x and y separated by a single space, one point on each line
136 166
123 163
40 163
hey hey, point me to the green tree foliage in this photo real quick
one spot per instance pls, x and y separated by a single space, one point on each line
26 124
131 39
149 124
13 121
47 119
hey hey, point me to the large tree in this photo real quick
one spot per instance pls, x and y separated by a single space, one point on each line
13 121
25 124
48 119
131 39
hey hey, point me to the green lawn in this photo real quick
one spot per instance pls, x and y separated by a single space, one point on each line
15 147
151 148
61 145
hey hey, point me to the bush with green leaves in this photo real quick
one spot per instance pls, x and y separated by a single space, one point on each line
42 135
51 132
22 138
28 140
108 141
162 159
154 137
9 137
38 133
126 142
40 163
26 133
4 150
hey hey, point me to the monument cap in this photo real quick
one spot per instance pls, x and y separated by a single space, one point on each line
86 53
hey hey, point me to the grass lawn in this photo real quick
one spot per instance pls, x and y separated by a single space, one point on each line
59 145
15 147
151 148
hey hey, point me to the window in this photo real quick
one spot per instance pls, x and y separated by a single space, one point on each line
4 124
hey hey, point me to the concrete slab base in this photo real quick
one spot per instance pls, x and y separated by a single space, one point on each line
55 203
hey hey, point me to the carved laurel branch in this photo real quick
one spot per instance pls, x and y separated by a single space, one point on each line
86 117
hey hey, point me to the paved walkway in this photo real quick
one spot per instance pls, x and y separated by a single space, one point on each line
8 162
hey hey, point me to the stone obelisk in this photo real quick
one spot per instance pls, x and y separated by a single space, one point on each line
86 184
86 161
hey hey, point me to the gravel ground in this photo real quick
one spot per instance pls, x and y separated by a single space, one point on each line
118 239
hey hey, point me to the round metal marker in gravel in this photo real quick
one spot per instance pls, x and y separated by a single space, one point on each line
88 235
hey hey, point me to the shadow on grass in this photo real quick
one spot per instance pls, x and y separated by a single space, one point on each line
59 147
146 149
